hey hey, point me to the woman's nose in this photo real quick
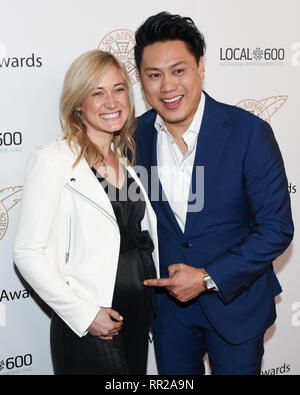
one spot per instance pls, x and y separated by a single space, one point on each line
110 102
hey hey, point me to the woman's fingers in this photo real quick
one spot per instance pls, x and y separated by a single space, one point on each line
115 315
107 324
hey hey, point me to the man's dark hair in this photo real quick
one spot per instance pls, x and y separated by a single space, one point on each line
164 27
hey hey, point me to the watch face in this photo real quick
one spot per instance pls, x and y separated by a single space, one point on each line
209 284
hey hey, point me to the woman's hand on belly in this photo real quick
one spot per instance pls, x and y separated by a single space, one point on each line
107 324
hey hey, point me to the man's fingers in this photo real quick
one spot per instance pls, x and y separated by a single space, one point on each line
170 290
159 282
172 269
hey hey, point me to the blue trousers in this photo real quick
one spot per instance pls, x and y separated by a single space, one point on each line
181 348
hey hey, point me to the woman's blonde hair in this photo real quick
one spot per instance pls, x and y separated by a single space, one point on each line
83 75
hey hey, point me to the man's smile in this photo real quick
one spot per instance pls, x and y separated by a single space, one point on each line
173 102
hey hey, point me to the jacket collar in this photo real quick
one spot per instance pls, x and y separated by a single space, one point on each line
82 180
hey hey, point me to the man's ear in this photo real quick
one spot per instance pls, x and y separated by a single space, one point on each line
201 68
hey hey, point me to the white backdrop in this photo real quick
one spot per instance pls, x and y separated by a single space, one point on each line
252 60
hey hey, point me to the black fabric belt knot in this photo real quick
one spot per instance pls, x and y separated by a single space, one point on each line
132 237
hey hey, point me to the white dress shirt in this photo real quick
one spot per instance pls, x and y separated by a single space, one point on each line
174 168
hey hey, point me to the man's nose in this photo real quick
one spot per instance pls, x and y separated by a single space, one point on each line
168 84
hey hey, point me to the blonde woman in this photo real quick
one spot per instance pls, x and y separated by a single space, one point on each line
83 242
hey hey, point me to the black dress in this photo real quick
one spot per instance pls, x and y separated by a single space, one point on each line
127 352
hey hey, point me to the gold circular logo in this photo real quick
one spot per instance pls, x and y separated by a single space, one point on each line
121 44
264 108
3 220
256 108
9 197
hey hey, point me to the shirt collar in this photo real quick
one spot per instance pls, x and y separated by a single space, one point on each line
194 126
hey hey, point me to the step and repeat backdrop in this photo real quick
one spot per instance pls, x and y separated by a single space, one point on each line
252 61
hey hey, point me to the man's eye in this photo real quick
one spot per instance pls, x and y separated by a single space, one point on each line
154 75
179 71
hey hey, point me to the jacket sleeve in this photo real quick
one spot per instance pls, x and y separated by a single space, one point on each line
40 199
270 219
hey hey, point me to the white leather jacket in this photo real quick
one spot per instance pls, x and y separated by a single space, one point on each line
67 241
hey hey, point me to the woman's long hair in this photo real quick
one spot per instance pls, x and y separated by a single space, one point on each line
83 75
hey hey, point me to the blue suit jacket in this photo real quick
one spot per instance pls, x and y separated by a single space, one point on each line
244 225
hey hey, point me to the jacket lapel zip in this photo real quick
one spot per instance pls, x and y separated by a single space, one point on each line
101 209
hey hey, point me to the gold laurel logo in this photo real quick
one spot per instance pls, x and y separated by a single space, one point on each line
264 108
9 197
121 44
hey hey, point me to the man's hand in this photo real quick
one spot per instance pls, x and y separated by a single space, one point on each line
107 324
184 283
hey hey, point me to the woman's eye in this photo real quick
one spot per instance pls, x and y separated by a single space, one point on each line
98 93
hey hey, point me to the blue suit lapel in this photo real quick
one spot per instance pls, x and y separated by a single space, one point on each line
212 141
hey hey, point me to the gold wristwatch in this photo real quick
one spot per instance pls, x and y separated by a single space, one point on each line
208 282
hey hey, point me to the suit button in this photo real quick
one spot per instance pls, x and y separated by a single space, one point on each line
186 245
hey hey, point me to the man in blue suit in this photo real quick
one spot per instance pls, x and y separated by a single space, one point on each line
217 183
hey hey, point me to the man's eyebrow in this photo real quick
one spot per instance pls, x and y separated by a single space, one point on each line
151 69
178 63
181 62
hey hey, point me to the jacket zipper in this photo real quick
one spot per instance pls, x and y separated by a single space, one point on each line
69 240
108 215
